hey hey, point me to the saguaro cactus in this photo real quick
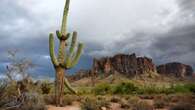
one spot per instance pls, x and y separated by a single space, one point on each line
66 59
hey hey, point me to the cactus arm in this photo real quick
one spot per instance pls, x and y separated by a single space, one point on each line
78 55
52 50
59 35
73 43
65 15
71 50
67 84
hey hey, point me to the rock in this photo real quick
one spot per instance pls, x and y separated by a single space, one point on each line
175 69
128 65
145 65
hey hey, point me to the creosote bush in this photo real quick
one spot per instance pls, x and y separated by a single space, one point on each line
125 88
102 89
33 101
46 87
91 103
161 101
142 105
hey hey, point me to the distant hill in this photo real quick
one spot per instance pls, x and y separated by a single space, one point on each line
132 66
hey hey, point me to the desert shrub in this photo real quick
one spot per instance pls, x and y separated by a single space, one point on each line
182 106
124 104
49 99
125 88
142 105
149 89
176 88
174 98
69 99
115 99
133 100
160 101
46 87
84 90
33 101
91 103
190 87
146 96
102 89
180 88
3 86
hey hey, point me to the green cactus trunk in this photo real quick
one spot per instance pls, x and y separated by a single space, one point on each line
66 59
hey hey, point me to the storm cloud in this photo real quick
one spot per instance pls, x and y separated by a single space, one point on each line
161 29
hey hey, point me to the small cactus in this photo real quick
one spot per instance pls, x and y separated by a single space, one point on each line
67 56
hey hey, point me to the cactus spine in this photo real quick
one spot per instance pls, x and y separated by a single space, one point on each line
66 59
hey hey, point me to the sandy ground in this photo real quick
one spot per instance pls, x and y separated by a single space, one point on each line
63 108
75 106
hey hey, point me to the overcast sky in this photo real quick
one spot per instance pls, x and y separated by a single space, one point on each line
161 29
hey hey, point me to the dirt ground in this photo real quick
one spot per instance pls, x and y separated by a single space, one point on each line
63 108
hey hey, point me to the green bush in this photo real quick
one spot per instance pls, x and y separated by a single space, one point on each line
46 87
180 88
102 89
190 87
149 90
92 103
125 88
84 90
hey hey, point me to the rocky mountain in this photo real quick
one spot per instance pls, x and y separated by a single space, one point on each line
175 69
129 65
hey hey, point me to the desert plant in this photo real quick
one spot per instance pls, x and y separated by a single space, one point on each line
69 99
115 99
142 105
46 87
49 99
180 88
91 103
18 66
191 87
125 88
133 100
3 86
161 101
102 89
182 106
33 101
65 60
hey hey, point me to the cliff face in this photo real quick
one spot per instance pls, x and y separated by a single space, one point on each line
128 65
175 69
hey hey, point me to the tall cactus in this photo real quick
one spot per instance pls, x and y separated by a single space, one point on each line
66 59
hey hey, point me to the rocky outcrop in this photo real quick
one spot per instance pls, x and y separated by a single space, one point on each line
129 65
175 69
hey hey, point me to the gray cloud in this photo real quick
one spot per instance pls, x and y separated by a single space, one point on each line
187 5
176 45
155 28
